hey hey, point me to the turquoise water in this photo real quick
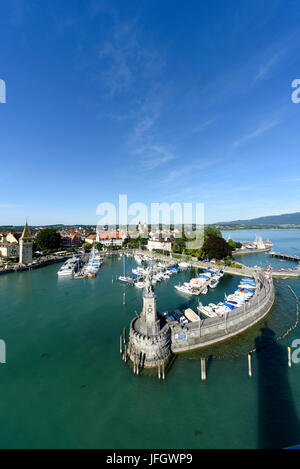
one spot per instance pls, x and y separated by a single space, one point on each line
284 241
65 386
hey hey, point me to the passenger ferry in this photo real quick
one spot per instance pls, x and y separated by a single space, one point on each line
69 267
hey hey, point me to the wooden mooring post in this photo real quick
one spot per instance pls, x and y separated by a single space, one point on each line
163 370
249 365
125 353
203 369
290 357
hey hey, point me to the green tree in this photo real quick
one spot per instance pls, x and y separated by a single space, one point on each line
216 247
47 239
234 244
86 247
212 230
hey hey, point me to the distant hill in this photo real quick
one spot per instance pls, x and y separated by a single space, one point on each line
273 220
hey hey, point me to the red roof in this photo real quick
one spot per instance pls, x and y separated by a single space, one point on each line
91 237
8 244
16 235
110 235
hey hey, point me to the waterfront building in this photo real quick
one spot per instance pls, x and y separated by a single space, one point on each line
13 237
110 238
3 235
90 239
25 246
70 239
159 242
9 249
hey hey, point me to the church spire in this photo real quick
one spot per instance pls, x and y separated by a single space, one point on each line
26 232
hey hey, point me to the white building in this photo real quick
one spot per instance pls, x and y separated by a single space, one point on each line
158 241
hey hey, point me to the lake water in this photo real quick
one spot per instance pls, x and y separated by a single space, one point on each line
65 386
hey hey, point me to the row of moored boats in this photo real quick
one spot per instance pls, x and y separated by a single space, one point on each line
158 271
246 289
208 278
79 269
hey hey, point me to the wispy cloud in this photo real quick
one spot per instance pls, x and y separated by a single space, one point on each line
203 126
125 59
189 168
296 179
154 156
261 129
131 71
8 206
267 67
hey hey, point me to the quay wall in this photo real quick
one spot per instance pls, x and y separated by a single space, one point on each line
38 265
211 330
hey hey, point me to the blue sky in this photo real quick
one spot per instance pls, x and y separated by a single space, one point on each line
163 101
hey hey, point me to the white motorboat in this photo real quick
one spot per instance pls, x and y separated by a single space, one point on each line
207 311
213 283
184 289
184 265
69 267
124 279
138 259
246 285
139 271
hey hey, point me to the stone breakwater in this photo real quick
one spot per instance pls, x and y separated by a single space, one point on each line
212 330
156 347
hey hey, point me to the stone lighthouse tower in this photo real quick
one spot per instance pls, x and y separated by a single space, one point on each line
149 322
26 246
150 337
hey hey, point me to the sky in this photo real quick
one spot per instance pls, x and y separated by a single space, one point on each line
166 102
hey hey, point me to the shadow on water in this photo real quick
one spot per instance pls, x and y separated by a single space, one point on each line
278 425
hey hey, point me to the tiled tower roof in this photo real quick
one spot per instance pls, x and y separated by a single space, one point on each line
26 232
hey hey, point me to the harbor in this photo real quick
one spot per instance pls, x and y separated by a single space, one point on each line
153 337
149 229
69 342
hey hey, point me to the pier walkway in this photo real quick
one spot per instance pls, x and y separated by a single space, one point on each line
286 257
243 271
211 330
239 252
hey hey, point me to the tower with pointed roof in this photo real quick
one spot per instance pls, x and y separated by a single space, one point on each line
149 323
26 246
149 336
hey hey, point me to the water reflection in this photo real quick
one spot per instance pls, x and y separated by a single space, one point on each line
278 425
